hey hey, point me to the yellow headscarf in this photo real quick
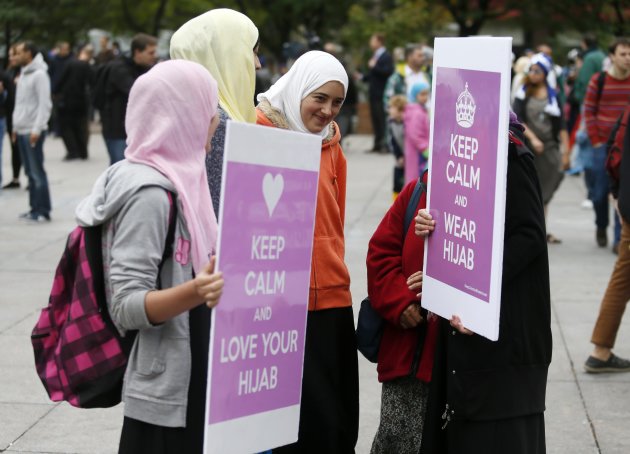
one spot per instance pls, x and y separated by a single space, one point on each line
223 40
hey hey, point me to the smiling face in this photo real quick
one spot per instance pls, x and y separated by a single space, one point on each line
321 106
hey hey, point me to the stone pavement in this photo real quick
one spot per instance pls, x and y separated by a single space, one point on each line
585 414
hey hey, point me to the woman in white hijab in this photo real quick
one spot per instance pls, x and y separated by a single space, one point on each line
225 42
307 99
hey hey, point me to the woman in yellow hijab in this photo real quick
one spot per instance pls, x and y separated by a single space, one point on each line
225 42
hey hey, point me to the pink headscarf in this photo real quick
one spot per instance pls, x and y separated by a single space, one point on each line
169 112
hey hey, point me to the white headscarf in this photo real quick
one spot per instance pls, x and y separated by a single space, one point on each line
308 73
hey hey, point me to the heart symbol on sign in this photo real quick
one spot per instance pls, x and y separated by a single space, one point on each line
272 190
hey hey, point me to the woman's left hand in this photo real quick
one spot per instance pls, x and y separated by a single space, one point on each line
459 326
414 282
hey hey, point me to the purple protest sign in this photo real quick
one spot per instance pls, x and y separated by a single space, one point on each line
464 165
463 259
270 181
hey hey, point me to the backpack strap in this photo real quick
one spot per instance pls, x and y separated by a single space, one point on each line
170 236
601 80
413 203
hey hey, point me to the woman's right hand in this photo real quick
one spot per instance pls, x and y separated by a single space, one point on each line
424 223
411 317
537 145
209 285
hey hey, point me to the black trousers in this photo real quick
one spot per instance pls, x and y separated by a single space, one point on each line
74 132
16 159
329 414
377 113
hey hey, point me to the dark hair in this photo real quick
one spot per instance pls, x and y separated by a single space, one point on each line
380 37
621 41
141 41
590 40
30 47
411 49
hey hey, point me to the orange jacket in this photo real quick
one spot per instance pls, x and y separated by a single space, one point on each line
330 280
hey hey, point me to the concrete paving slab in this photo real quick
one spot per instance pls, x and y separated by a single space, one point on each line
17 419
58 432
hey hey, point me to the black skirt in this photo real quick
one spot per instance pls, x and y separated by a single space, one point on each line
139 437
329 413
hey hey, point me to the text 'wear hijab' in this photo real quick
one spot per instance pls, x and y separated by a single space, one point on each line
168 115
223 40
308 73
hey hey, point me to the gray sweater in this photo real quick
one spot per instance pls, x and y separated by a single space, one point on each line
32 98
131 202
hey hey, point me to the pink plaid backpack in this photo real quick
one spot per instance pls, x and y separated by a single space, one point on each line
79 355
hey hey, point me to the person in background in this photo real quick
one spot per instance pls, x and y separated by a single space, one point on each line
5 84
13 72
307 99
105 53
396 136
592 62
33 106
618 291
417 125
536 105
122 75
603 104
225 42
381 66
72 96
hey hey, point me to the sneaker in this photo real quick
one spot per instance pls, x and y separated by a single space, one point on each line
26 215
12 185
587 204
613 364
601 237
38 218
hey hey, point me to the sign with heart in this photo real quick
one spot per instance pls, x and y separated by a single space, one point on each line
267 218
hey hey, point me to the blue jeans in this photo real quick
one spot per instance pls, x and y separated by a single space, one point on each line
116 149
3 126
33 160
598 186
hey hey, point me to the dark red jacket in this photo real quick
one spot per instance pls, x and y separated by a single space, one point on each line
389 264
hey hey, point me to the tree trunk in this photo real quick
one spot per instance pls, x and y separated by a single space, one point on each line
159 15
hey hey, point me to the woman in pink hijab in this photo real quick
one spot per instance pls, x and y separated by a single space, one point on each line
153 288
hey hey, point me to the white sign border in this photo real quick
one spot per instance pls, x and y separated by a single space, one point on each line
480 54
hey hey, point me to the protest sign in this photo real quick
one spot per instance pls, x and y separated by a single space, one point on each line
467 181
267 216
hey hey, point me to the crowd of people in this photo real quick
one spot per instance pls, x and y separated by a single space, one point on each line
445 388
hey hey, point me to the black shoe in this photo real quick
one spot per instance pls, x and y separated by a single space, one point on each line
12 185
38 218
613 364
601 237
69 157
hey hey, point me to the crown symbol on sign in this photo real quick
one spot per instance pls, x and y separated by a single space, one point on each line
465 109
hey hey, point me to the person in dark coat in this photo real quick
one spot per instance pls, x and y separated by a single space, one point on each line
381 66
71 94
489 397
13 72
122 74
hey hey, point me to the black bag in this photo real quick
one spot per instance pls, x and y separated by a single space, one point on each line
370 324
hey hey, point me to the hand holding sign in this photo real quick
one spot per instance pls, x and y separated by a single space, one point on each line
424 223
209 285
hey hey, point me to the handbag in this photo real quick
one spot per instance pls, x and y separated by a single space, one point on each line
370 324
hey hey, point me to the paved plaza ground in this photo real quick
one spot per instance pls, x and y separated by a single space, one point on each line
585 413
